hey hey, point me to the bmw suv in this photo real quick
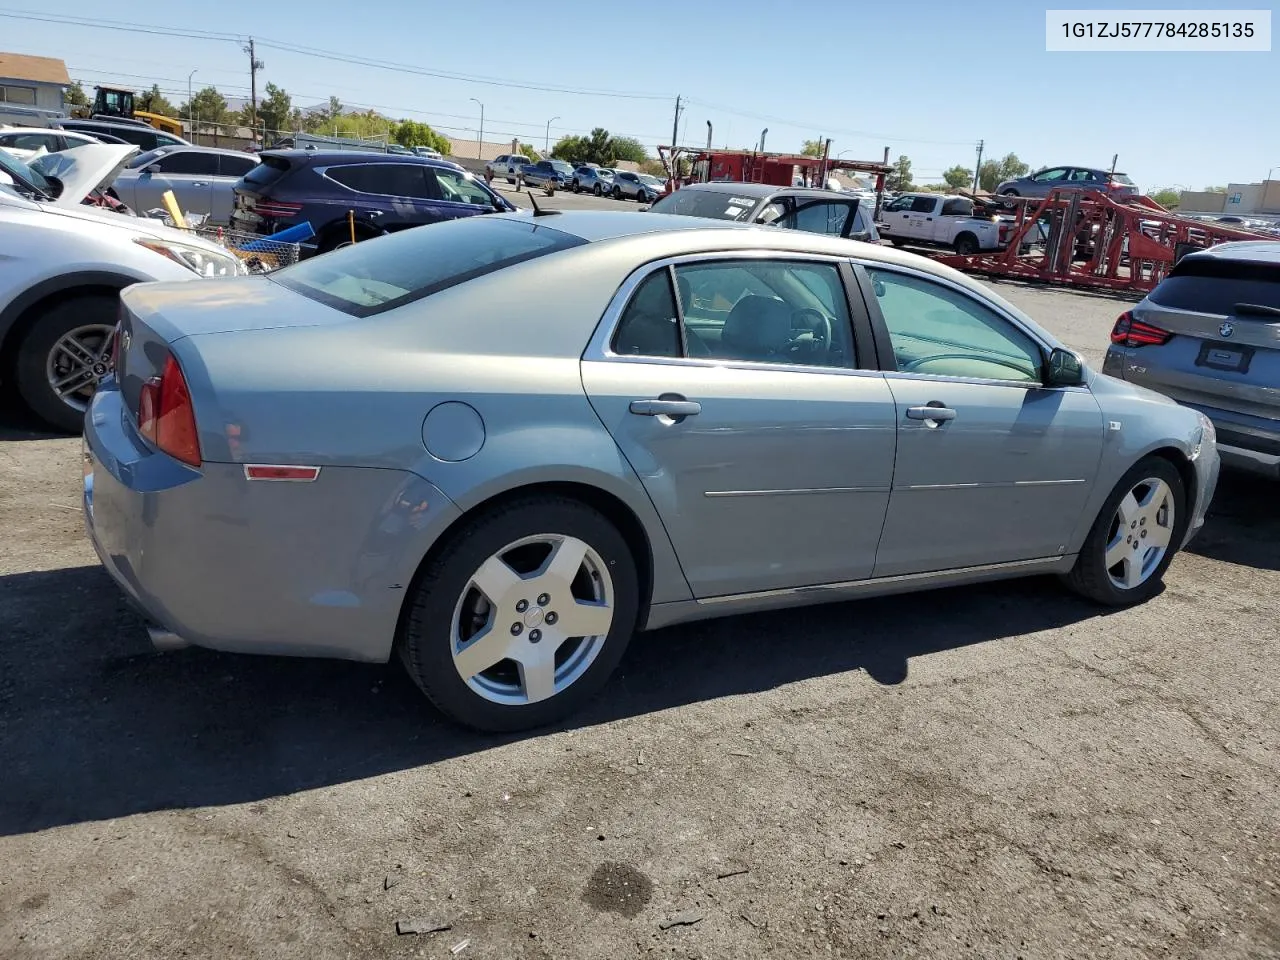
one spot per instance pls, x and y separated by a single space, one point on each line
348 196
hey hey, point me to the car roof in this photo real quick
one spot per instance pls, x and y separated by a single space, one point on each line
354 156
186 147
1247 251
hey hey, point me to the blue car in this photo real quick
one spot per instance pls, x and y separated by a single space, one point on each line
348 196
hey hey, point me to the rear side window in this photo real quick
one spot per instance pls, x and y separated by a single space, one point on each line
957 207
235 166
1216 286
190 162
369 278
267 172
384 179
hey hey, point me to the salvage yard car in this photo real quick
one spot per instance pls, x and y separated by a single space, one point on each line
202 179
61 266
364 454
830 212
1208 336
349 196
939 220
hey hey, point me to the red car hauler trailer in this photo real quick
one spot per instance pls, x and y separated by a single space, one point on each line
751 166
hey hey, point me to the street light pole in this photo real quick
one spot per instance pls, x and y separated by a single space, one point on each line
480 145
546 145
190 108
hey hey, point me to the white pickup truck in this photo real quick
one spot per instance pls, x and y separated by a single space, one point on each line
939 220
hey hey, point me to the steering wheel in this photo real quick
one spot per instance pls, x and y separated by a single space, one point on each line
817 323
920 361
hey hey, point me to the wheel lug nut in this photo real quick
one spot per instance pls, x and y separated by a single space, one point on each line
552 618
517 629
535 636
522 606
1143 521
543 599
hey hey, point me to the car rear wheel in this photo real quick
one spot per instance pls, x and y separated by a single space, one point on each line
966 244
576 187
617 193
1010 193
598 191
65 354
524 616
1134 538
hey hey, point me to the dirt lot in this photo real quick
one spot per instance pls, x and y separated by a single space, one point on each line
998 772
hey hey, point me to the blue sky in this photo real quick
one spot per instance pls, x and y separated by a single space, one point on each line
927 79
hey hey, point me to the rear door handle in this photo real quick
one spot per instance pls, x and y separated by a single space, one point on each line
666 408
200 183
936 414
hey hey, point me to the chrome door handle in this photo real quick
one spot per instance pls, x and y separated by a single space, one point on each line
666 408
931 413
200 184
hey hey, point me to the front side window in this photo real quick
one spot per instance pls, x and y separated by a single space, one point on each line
458 187
187 162
755 311
900 205
29 141
1045 176
939 331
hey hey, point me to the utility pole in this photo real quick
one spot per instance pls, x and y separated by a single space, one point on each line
546 145
709 141
977 170
675 125
1111 176
254 66
480 144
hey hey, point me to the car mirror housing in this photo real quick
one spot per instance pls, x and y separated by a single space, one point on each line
1065 368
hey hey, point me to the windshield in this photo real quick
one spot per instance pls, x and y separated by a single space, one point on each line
368 278
1122 178
715 204
21 174
651 181
561 166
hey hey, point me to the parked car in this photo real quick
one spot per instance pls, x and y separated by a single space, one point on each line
793 208
704 419
202 179
550 175
383 193
636 186
25 142
1043 182
595 180
1208 336
142 136
505 165
427 152
63 265
940 220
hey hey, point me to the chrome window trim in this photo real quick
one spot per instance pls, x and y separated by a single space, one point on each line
599 348
1045 346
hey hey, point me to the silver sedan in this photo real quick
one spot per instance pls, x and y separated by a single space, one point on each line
497 447
201 178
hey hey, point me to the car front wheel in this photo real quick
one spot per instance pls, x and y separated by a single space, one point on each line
524 616
1134 538
64 356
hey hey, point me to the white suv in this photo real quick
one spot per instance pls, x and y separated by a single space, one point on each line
63 267
505 166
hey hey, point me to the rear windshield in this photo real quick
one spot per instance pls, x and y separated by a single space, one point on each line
1216 286
714 204
1122 178
267 172
375 276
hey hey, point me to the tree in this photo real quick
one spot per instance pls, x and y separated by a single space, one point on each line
207 106
1167 197
629 148
275 110
596 147
958 177
900 177
411 133
334 109
812 148
74 95
995 172
153 101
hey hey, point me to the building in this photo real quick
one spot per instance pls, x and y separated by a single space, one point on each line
1241 200
32 81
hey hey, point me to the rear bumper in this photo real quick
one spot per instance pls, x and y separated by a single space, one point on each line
216 560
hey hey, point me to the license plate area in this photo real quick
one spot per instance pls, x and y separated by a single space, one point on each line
1228 357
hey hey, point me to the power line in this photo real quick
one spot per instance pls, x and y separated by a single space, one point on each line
120 25
802 124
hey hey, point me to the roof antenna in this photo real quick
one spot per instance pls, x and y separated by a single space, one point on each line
538 211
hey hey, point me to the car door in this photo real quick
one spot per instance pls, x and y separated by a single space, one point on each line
992 466
765 447
223 197
832 218
188 173
1044 182
896 216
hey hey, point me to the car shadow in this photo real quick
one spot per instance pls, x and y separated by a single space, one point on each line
94 725
1243 525
18 424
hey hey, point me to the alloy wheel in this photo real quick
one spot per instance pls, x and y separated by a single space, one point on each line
532 619
1141 533
78 362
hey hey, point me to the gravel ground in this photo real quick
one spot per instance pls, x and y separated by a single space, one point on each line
997 772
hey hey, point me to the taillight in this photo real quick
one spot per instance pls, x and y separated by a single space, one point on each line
276 209
1135 333
166 416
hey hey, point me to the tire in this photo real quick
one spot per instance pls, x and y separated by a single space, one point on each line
576 187
966 244
897 243
444 594
1091 578
38 358
617 194
1011 193
598 191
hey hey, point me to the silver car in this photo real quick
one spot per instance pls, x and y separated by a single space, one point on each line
636 186
1043 182
1209 337
370 454
595 180
201 178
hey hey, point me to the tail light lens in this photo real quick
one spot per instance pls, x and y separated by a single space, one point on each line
1129 332
166 416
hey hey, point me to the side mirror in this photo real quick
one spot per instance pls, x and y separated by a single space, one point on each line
1065 369
878 287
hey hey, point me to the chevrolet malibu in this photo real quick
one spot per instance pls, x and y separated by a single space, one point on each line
499 446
